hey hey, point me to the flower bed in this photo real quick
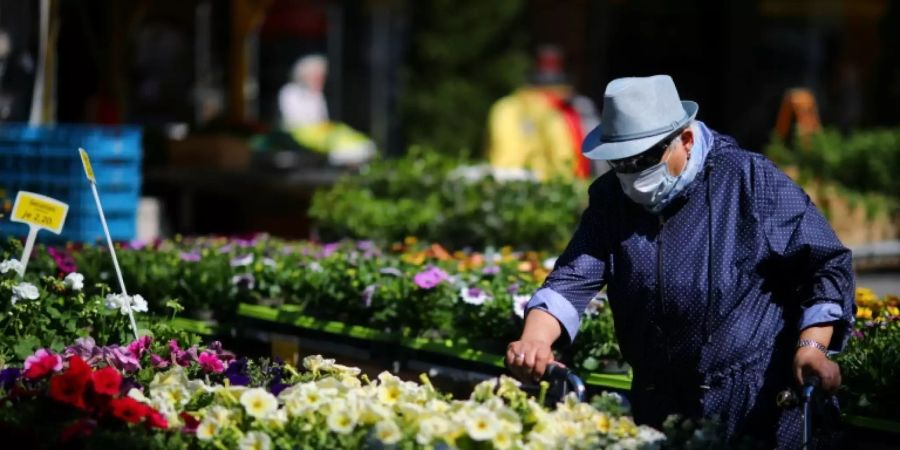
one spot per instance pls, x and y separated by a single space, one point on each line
473 299
172 397
417 294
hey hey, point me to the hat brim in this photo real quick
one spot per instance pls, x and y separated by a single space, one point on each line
593 146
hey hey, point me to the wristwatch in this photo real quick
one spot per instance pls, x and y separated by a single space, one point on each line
812 343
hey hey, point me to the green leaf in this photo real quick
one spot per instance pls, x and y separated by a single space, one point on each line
26 346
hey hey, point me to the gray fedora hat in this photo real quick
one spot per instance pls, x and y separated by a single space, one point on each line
637 113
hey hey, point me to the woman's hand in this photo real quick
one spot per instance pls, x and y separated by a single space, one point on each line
810 361
528 357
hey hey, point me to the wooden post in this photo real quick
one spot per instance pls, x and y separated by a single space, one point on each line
246 16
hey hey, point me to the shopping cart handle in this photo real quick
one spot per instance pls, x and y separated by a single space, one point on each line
564 381
810 384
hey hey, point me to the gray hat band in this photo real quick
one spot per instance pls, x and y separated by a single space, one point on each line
628 137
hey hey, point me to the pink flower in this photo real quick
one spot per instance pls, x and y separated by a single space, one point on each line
211 363
430 277
42 363
139 346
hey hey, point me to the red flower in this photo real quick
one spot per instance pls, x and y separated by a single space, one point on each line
190 423
128 409
107 381
70 386
156 420
78 430
41 364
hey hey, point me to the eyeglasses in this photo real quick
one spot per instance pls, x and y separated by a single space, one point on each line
645 159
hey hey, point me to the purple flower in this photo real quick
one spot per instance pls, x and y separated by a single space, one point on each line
473 296
209 362
513 288
137 244
85 348
186 357
139 346
236 372
220 352
244 281
329 249
121 359
226 248
8 377
192 256
430 277
241 261
368 293
857 334
365 246
158 362
490 270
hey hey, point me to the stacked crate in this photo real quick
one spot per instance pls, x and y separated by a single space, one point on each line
45 160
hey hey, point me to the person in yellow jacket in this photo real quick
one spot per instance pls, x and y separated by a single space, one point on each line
540 126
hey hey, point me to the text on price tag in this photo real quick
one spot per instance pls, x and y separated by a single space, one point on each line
39 211
86 162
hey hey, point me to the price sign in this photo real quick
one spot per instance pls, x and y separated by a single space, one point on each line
39 211
86 162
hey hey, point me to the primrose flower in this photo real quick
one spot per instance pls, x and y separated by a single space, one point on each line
192 256
24 291
245 260
481 424
255 440
258 402
210 362
207 429
388 432
341 420
74 281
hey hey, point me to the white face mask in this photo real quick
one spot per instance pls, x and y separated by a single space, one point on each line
649 187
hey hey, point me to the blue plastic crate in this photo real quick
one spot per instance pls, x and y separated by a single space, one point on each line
45 160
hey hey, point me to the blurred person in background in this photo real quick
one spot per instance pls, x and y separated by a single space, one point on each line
540 126
726 284
304 115
302 101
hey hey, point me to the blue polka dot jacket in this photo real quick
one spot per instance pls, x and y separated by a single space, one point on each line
710 295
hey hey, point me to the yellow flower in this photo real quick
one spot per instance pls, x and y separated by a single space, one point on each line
417 258
893 311
255 440
258 403
341 421
207 429
410 240
389 393
601 421
481 424
502 441
864 313
388 432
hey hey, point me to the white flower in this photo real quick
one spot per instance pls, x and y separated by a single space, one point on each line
207 429
388 432
473 296
255 440
258 402
549 263
125 303
74 281
24 291
481 424
341 420
12 264
138 304
431 427
520 302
